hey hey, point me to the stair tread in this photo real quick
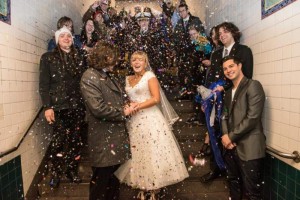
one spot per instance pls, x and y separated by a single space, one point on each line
190 138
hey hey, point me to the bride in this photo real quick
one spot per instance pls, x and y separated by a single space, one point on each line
156 157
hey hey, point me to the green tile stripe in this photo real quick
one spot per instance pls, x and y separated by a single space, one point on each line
11 182
282 181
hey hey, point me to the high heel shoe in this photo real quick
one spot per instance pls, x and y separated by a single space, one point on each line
152 195
141 195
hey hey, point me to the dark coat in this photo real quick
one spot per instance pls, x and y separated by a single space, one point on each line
181 35
242 119
107 136
245 54
59 84
214 72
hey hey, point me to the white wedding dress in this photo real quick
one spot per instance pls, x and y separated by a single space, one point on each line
156 158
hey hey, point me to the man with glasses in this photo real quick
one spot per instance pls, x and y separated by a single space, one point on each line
182 42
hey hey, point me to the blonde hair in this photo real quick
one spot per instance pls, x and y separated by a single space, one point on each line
140 54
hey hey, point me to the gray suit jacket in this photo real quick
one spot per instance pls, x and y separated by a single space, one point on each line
241 119
107 136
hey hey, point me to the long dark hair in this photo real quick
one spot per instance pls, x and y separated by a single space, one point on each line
75 60
214 28
84 37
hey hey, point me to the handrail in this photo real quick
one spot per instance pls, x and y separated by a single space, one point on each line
295 155
2 154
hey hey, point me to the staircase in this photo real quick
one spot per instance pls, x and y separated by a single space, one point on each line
190 139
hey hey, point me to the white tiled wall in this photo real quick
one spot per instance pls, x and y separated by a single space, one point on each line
21 45
275 42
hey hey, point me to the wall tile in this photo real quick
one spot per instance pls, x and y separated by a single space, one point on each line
21 46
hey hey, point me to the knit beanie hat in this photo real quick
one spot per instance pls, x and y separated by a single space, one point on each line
64 29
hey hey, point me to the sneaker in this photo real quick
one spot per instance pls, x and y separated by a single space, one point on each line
197 161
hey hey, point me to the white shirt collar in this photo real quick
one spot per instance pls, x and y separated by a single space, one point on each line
187 18
228 48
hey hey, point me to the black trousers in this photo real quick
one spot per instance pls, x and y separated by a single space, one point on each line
66 140
244 176
104 184
198 111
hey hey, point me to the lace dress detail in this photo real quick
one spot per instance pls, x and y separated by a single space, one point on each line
156 158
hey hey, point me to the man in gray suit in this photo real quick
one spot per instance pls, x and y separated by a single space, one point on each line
243 138
106 112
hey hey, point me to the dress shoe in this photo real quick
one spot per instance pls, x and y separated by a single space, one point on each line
54 182
209 176
194 120
73 177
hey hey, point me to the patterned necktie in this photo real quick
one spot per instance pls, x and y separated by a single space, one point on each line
226 52
185 23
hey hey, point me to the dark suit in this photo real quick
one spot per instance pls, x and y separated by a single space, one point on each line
183 45
241 120
215 70
245 54
107 136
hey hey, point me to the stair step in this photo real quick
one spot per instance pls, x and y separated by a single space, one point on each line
65 190
182 106
190 190
190 138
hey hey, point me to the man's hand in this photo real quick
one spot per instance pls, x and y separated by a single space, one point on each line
206 63
95 5
131 109
127 111
49 115
218 88
226 141
135 107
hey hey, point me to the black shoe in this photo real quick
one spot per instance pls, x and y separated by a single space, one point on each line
54 182
73 177
205 149
192 120
197 122
210 176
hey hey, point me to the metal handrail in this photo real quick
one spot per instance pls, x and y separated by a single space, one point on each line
295 155
2 154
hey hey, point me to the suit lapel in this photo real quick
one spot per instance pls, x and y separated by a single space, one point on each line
109 82
228 102
243 82
234 49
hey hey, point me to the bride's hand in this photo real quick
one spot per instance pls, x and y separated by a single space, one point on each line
135 107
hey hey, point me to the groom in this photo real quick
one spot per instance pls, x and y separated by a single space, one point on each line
106 114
